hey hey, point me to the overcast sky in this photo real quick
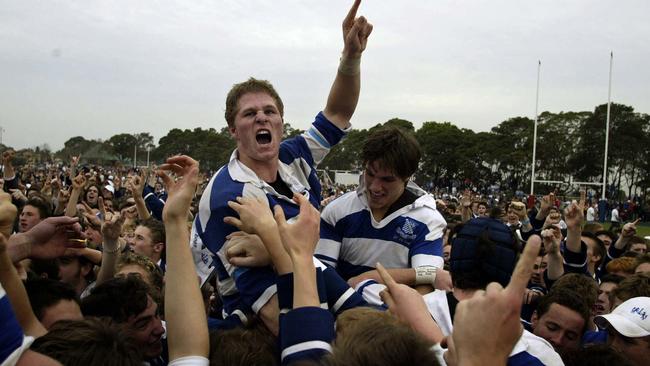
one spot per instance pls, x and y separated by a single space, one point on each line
99 68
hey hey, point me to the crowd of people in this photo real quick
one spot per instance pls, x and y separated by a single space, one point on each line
253 266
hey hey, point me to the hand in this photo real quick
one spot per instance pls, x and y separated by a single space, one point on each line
547 202
137 184
443 280
55 183
79 182
51 237
74 161
18 195
153 178
64 196
552 237
574 216
246 250
8 214
181 191
629 230
254 216
131 213
531 296
8 156
355 33
440 205
111 230
300 238
407 305
496 309
466 200
552 218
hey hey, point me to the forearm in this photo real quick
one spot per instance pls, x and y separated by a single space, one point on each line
343 96
18 297
186 320
109 261
71 207
141 206
18 247
555 266
279 257
574 237
305 290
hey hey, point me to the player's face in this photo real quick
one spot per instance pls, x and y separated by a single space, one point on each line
560 326
383 187
257 129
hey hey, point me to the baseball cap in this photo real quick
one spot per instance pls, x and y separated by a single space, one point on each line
631 318
109 188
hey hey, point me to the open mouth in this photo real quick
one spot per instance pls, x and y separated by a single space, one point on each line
263 137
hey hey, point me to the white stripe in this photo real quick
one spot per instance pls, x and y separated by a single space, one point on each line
420 260
322 306
304 346
328 247
240 314
371 292
346 295
367 252
264 298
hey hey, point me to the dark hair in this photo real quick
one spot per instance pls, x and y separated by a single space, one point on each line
612 278
157 229
88 342
380 340
599 249
645 258
633 286
483 251
565 297
251 345
42 205
251 85
596 355
44 292
394 149
155 273
585 286
119 298
608 233
44 268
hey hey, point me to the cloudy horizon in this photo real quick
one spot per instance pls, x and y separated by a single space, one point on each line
100 68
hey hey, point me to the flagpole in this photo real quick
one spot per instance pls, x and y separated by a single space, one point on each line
532 175
609 105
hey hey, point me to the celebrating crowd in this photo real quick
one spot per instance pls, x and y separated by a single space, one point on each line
114 266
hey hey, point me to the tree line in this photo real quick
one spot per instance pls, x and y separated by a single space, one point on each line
569 145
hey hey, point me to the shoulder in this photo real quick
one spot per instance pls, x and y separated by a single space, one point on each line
533 350
343 206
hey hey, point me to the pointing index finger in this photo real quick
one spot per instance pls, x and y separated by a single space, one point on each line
352 13
386 277
524 268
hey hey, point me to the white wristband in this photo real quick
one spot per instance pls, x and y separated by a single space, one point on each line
425 275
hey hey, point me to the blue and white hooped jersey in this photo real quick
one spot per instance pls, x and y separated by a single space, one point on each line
353 241
251 288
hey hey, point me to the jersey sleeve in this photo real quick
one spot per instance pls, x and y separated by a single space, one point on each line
306 334
427 249
329 245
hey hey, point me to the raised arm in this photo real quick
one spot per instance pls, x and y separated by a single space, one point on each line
11 281
574 218
187 325
78 184
344 94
